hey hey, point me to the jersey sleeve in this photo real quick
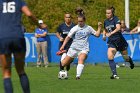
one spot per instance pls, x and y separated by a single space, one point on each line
92 30
23 3
117 21
46 30
72 32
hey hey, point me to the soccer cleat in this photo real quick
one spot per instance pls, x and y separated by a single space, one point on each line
131 64
77 78
114 77
60 52
117 66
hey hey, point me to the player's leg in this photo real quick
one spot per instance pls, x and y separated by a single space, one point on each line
19 64
19 51
62 58
112 64
44 52
6 70
81 58
38 47
66 61
127 58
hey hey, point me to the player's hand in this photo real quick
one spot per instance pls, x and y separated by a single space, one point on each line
99 24
43 26
61 39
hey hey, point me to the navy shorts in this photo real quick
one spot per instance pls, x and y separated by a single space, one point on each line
120 44
12 45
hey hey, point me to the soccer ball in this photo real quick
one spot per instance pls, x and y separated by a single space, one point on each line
63 74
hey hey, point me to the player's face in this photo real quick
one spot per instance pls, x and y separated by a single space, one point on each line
67 18
109 14
81 22
122 24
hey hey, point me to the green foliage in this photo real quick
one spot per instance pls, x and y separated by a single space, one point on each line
52 11
95 79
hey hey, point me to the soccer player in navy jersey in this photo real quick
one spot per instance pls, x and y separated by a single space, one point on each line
12 41
62 31
116 41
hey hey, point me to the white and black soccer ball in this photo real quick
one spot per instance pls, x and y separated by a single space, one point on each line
63 74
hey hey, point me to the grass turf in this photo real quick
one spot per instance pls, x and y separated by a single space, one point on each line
95 79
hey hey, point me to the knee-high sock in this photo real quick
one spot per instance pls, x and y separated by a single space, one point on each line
8 85
24 83
62 58
61 67
112 65
79 69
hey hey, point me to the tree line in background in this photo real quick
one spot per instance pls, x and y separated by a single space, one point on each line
52 11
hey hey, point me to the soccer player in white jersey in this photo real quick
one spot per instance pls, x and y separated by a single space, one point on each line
80 45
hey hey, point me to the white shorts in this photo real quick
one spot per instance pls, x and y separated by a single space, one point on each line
75 53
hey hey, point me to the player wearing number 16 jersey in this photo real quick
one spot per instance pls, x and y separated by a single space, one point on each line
12 41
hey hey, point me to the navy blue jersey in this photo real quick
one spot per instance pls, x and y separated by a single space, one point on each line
110 25
116 40
63 29
10 18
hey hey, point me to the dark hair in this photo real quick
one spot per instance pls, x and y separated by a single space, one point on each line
82 16
79 11
112 9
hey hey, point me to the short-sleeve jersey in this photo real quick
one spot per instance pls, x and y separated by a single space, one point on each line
63 29
80 37
10 18
110 25
41 31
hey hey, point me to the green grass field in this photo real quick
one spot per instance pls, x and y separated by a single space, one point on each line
95 79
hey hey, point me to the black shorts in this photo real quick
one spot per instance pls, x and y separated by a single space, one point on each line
12 45
120 44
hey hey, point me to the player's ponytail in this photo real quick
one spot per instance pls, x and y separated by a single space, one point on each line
79 11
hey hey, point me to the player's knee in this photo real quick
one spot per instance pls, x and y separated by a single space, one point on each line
63 63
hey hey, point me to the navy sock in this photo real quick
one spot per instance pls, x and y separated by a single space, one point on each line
8 85
24 83
68 67
130 60
61 67
112 65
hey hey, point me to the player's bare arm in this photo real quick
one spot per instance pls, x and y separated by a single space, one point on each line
28 13
98 32
59 36
65 42
118 28
104 34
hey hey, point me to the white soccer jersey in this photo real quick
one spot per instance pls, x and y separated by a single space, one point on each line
80 37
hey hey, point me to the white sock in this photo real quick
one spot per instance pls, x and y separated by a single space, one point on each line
79 69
